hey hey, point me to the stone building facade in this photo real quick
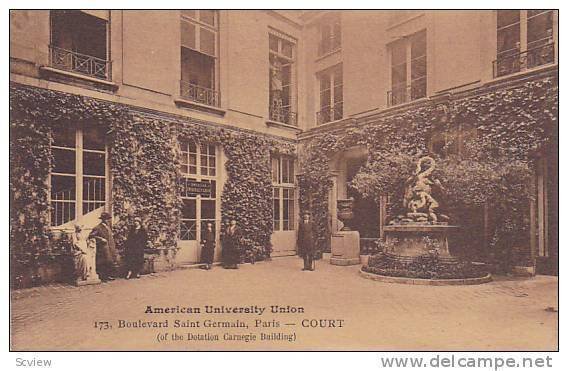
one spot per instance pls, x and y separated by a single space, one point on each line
274 78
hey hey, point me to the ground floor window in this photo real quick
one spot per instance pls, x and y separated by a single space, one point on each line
78 178
283 193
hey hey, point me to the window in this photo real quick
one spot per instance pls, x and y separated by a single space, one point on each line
330 35
408 69
198 188
79 42
78 177
282 76
199 51
524 40
283 191
331 95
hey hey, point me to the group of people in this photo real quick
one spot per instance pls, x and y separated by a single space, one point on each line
230 240
106 254
106 257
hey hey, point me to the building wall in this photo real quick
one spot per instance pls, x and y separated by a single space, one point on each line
145 54
461 48
146 61
146 69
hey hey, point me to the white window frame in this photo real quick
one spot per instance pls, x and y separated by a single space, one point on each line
293 86
406 44
79 176
523 28
198 26
200 176
332 72
330 21
278 187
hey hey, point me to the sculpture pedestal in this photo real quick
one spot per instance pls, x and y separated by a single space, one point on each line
345 248
410 238
89 281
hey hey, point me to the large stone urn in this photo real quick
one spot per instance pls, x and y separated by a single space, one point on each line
345 243
345 212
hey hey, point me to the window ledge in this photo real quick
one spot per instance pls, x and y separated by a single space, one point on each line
283 126
323 56
72 76
407 104
330 123
514 75
180 101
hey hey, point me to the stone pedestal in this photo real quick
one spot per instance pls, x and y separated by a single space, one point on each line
410 238
345 248
89 281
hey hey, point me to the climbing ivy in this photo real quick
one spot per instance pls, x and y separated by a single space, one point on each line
144 159
503 130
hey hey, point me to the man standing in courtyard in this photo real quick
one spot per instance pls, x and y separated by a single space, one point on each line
106 250
306 242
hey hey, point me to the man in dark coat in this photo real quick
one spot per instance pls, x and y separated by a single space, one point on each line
207 246
134 248
106 249
231 246
306 246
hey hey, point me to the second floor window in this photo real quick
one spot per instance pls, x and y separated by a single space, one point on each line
329 35
524 40
79 42
331 95
282 75
408 69
199 51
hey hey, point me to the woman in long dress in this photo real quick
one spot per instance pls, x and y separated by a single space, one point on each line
134 246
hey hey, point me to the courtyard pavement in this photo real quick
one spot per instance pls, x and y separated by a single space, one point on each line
506 314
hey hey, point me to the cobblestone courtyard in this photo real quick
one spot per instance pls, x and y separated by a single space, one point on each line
507 314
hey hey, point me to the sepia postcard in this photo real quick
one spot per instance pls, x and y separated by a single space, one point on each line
283 180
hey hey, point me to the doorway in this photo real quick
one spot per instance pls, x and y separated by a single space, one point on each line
365 210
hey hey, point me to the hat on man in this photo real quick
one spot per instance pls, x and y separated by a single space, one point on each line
306 212
105 216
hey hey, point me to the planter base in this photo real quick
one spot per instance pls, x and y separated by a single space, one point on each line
427 282
344 261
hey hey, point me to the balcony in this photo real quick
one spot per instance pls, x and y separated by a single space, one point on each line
86 65
516 61
283 115
200 94
329 114
406 94
329 45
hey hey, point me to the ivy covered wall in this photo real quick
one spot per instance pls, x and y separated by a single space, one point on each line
144 167
501 131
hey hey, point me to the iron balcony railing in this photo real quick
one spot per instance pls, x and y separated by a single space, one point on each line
517 61
405 94
200 94
329 45
329 114
284 115
83 64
